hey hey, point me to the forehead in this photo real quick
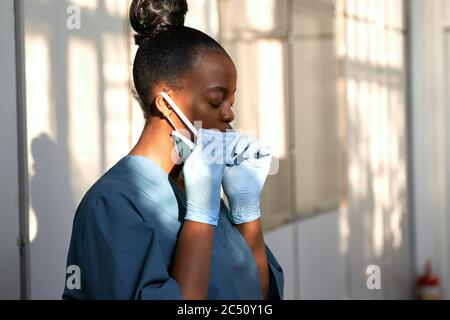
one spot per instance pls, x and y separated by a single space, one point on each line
212 69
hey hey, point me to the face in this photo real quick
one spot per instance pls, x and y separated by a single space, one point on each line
209 91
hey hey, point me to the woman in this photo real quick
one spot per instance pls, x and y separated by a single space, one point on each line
151 228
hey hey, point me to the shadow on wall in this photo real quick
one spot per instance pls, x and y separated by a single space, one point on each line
51 201
378 217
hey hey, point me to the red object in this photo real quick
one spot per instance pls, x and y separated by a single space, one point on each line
428 284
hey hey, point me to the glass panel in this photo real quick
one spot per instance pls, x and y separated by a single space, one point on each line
316 109
256 35
261 110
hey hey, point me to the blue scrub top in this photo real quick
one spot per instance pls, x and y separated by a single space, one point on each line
124 236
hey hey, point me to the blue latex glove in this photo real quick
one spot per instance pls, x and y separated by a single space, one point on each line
243 182
203 173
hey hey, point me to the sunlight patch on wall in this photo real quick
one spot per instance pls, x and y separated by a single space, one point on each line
32 225
247 19
118 8
116 97
86 4
40 118
272 104
39 113
84 127
204 15
261 14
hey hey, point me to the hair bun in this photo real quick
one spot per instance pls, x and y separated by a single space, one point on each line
149 17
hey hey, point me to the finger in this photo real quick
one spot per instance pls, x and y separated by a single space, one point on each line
231 139
242 144
264 152
252 150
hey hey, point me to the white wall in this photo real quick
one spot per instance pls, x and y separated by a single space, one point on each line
319 262
79 107
281 241
9 192
430 65
311 254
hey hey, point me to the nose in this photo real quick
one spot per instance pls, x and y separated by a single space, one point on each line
227 114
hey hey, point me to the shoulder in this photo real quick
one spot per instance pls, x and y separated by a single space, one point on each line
109 195
127 191
116 186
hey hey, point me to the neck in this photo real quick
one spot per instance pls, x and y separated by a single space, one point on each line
156 144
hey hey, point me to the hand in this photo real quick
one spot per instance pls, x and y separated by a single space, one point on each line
203 173
244 181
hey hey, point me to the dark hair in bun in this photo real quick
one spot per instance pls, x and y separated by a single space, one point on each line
150 17
167 49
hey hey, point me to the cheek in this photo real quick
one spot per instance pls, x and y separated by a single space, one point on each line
207 115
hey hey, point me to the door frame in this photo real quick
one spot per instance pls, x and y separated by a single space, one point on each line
23 241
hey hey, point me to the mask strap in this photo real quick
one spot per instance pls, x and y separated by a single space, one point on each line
179 113
170 120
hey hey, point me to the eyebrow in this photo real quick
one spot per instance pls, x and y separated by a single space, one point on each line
219 88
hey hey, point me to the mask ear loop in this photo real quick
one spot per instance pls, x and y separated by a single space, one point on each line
179 113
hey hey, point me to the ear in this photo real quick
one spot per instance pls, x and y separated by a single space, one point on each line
163 106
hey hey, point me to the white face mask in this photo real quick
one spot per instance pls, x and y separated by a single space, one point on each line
183 144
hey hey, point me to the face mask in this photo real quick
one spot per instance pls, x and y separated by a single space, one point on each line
183 145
